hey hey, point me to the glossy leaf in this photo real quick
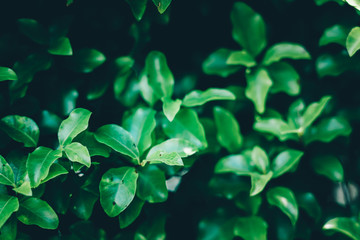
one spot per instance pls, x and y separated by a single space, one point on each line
285 161
285 50
138 8
284 199
21 129
95 148
86 60
7 74
8 205
237 164
151 185
117 189
346 226
6 173
39 162
84 204
216 64
24 188
258 182
308 202
171 108
162 5
181 146
172 159
354 3
258 85
276 127
285 78
76 123
198 98
34 211
313 111
130 214
329 166
251 228
241 58
353 39
33 30
147 92
76 152
334 34
55 170
61 46
248 28
260 159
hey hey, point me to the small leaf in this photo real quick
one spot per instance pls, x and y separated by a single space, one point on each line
8 205
34 211
333 64
171 108
21 129
329 166
162 5
237 164
138 8
95 148
284 199
198 98
346 226
276 127
354 3
76 152
6 173
172 159
117 189
24 188
308 202
353 40
216 64
251 228
7 74
83 204
313 111
285 50
130 214
285 161
334 34
260 159
285 78
61 46
55 170
228 130
86 60
33 30
258 182
39 162
241 58
76 123
258 85
181 146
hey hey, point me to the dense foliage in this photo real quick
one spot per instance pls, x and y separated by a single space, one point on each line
200 120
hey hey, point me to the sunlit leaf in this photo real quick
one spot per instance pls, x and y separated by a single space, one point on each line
182 147
8 205
313 111
241 58
285 78
162 5
258 182
334 34
172 159
353 39
285 161
285 50
61 46
76 152
6 173
171 108
198 98
7 74
138 8
251 228
346 226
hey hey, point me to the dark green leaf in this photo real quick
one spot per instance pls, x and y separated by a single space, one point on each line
34 211
172 159
6 173
313 111
171 108
308 202
285 78
198 98
83 204
7 74
237 164
248 28
228 185
248 203
329 166
50 122
260 159
181 146
352 41
33 30
117 189
162 5
95 148
321 2
9 230
21 129
285 161
216 63
332 64
285 50
86 60
241 58
152 229
17 162
346 226
334 34
138 8
69 2
76 152
251 228
86 230
55 170
61 46
8 205
258 182
130 214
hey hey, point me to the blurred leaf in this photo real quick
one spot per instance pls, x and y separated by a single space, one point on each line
34 211
6 173
61 46
334 34
198 98
39 162
332 64
354 3
21 129
237 164
313 111
248 203
329 166
228 185
283 50
153 229
138 8
130 214
218 227
241 58
83 204
69 2
86 230
172 159
123 73
7 74
260 159
24 188
211 132
94 147
321 2
285 78
352 41
308 202
117 189
171 108
258 182
33 30
284 199
258 85
9 230
285 161
76 152
216 64
276 127
147 92
50 122
248 28
251 228
86 60
180 146
346 226
55 170
8 205
162 5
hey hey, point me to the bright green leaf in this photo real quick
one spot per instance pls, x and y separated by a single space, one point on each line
24 188
6 173
216 64
61 46
237 164
258 182
95 148
172 159
329 166
260 159
162 5
346 226
181 146
285 78
130 214
7 74
8 205
138 8
33 30
147 92
321 2
285 50
313 111
55 170
171 108
76 152
251 228
241 58
334 34
353 40
86 60
285 161
198 98
276 127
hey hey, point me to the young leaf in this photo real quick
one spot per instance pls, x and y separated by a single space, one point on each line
130 214
24 188
228 130
86 60
33 30
313 111
251 228
8 205
76 152
172 159
241 58
83 204
39 162
285 161
329 166
171 108
276 127
61 46
237 164
181 146
334 34
216 64
285 78
117 189
258 182
258 85
162 5
95 148
198 98
346 226
7 74
21 129
34 211
248 28
138 8
353 40
285 50
6 173
151 185
76 123
308 202
284 199
260 159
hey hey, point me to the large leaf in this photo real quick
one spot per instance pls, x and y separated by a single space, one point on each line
171 108
76 152
130 214
216 63
118 139
198 98
86 60
186 125
334 34
258 182
313 111
258 85
39 162
285 161
285 50
162 5
76 123
228 130
33 30
248 28
181 146
237 164
328 166
260 159
117 189
251 228
21 129
284 199
7 74
353 39
138 8
172 159
34 211
61 46
8 205
346 226
241 58
6 173
285 78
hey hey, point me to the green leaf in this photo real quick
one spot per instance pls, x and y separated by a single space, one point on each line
228 130
151 185
258 182
86 230
276 127
7 74
118 139
21 129
248 203
95 148
34 211
258 85
69 2
147 92
353 40
251 228
76 123
86 60
24 188
285 161
241 58
313 111
321 2
198 98
76 152
182 147
6 173
329 166
33 30
39 162
9 230
83 204
152 229
248 28
216 64
285 50
17 161
50 122
172 159
346 226
308 202
237 164
55 170
354 3
285 78
260 159
334 34
117 189
186 125
130 214
61 46
332 64
8 205
171 108
284 199
138 8
162 5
